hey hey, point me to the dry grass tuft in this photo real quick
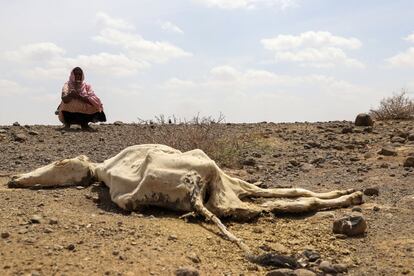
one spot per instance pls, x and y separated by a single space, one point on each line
397 107
205 133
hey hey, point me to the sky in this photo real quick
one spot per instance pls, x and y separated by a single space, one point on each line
249 60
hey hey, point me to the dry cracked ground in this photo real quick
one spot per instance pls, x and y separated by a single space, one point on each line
78 231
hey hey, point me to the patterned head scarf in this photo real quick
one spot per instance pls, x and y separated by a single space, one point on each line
83 89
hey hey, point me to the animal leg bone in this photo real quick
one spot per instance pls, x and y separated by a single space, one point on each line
198 206
312 204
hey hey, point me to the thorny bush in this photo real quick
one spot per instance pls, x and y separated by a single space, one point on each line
205 133
397 107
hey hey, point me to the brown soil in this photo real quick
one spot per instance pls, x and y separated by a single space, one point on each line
81 232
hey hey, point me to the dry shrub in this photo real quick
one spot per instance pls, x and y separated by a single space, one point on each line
205 133
397 107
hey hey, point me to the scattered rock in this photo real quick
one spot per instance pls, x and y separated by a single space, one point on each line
311 255
364 119
357 209
340 268
397 139
53 221
48 230
372 191
346 130
16 124
352 225
2 131
19 137
409 162
294 162
304 272
187 271
248 162
36 219
281 272
118 123
34 133
172 238
5 235
194 258
388 151
70 247
306 167
327 267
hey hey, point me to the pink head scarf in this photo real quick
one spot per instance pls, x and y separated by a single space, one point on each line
84 90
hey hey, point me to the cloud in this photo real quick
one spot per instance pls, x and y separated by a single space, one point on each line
253 95
313 49
248 4
252 80
170 27
47 60
115 23
404 59
35 52
410 38
10 88
139 48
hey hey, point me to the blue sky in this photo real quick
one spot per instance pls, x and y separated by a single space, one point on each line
251 60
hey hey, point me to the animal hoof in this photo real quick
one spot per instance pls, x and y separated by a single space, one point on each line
12 184
357 199
350 225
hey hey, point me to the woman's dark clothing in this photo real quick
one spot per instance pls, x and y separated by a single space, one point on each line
75 118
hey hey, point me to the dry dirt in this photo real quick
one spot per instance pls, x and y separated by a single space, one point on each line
79 231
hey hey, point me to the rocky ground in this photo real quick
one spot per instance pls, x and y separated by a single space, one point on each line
78 231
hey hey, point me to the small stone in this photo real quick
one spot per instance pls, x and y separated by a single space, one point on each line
118 123
346 130
70 247
53 221
327 267
172 238
281 272
16 124
388 151
5 235
397 139
48 230
409 162
36 219
187 271
249 162
357 209
376 208
34 133
307 167
340 268
19 137
373 191
304 272
294 162
194 258
352 225
311 255
364 119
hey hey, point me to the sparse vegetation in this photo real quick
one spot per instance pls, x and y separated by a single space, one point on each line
397 107
205 133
